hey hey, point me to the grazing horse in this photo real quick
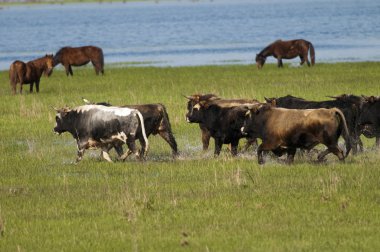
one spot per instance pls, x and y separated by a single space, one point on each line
287 50
30 72
79 56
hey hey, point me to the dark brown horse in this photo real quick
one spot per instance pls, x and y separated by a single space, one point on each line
79 56
287 50
30 72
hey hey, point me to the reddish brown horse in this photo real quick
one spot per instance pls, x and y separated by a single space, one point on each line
287 50
79 56
30 72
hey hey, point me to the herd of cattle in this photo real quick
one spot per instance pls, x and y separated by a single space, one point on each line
283 124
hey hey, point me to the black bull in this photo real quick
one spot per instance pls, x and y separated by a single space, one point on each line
219 118
156 121
369 121
350 105
284 130
97 126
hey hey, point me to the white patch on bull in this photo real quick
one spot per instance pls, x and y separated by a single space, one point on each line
121 136
115 110
247 113
197 106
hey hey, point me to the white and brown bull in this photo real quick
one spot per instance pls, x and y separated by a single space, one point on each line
285 130
97 126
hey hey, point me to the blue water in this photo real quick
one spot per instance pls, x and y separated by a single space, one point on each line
187 32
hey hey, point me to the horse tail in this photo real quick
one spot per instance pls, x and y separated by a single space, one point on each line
13 74
312 53
101 60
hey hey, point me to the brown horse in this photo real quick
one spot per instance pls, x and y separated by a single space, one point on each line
79 56
287 50
30 72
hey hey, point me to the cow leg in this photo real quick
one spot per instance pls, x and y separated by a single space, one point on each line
119 150
31 87
205 137
218 146
132 146
337 152
377 142
290 158
322 155
106 156
80 154
234 147
250 142
260 157
169 138
143 146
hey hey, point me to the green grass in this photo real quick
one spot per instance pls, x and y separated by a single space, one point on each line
196 203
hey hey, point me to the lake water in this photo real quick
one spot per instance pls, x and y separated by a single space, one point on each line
186 32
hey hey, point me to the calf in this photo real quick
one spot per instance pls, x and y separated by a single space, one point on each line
350 105
97 126
220 118
285 130
369 121
156 121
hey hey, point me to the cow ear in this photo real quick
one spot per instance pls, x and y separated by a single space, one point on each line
273 103
268 100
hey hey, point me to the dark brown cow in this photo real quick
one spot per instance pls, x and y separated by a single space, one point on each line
220 119
285 130
30 72
79 56
287 50
349 104
206 135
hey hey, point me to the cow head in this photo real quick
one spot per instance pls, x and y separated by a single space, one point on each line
195 104
253 116
369 120
61 119
260 61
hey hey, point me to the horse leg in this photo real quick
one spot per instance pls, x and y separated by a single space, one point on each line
67 66
302 60
279 62
70 70
96 66
38 86
31 87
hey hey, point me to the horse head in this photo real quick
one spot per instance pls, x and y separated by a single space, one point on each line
260 61
49 64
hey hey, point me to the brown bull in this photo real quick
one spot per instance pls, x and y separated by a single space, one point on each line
285 130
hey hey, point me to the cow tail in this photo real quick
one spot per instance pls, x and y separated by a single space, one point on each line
312 53
346 133
143 131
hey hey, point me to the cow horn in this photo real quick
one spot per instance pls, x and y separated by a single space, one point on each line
86 101
187 97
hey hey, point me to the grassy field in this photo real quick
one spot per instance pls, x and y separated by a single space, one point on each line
196 203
